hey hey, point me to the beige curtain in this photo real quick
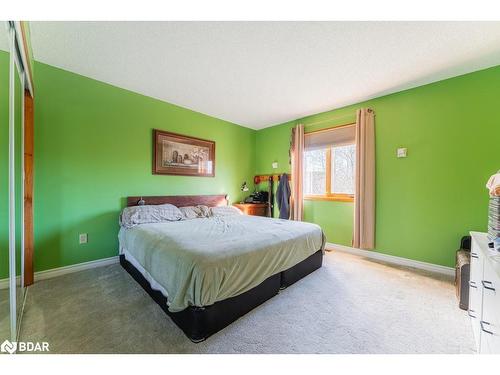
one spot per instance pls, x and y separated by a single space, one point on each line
364 198
297 162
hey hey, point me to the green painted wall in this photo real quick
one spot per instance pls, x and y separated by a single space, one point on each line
336 219
93 148
427 201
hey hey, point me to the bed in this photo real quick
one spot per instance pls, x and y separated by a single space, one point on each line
205 273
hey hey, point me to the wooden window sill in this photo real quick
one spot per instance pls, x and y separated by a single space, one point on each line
334 198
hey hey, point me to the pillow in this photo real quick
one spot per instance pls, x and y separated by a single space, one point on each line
193 212
189 212
225 211
205 210
132 216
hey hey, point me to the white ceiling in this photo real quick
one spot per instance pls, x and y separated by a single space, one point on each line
258 74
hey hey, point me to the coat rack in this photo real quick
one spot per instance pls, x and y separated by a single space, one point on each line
270 179
266 177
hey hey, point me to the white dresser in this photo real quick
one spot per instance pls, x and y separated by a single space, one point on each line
484 294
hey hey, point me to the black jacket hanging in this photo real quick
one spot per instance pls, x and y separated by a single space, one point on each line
283 196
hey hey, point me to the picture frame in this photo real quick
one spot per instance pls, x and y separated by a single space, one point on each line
182 155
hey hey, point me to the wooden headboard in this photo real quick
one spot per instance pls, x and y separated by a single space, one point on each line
181 200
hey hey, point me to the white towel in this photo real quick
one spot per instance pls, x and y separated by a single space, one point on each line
493 185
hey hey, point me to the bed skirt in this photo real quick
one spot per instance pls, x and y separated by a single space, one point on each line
198 323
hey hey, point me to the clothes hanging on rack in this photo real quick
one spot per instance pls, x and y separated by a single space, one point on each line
270 199
283 196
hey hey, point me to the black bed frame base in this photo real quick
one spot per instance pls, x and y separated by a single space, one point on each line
198 323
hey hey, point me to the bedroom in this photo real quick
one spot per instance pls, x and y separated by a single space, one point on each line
229 195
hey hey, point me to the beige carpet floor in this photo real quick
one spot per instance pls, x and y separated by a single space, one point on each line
4 315
350 305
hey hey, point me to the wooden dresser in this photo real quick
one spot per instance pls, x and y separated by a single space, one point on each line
254 209
484 295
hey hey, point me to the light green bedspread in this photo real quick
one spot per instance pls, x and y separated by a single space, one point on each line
201 261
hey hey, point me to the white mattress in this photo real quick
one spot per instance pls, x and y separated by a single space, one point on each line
154 284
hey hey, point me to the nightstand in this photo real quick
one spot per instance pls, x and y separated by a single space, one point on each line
253 209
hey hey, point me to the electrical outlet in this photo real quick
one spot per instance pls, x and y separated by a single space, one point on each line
83 238
402 152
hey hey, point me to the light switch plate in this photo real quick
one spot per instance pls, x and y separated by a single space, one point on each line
275 165
402 152
83 238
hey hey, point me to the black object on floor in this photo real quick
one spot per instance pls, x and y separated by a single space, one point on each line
465 243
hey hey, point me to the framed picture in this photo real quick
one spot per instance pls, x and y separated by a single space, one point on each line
176 154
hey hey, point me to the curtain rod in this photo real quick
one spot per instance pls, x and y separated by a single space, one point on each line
353 115
322 130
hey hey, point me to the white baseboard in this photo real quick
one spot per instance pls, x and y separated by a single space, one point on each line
4 283
448 271
54 272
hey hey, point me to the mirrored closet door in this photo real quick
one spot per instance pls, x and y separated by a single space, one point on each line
15 84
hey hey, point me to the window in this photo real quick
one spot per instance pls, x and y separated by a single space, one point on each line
343 169
315 172
329 169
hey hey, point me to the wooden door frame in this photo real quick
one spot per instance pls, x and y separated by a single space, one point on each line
29 137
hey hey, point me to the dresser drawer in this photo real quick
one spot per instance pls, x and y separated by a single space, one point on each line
490 343
476 262
255 209
490 320
475 301
491 295
476 292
